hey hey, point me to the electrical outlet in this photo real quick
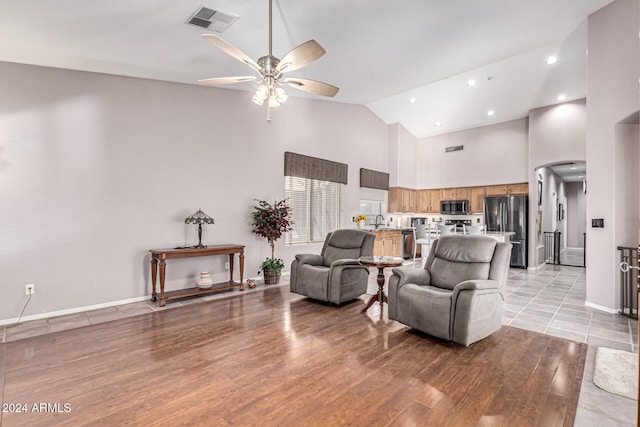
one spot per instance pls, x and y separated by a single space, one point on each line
226 265
29 289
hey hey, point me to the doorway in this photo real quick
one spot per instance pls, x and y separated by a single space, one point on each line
562 212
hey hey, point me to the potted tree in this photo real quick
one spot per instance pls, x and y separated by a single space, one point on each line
271 221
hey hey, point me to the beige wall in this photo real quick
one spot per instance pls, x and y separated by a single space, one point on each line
612 87
494 154
402 158
557 134
96 169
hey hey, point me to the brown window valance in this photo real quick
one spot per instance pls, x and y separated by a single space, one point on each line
374 179
314 168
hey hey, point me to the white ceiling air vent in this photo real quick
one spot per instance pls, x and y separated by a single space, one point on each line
212 19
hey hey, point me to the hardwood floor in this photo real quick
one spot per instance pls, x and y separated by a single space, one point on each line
274 358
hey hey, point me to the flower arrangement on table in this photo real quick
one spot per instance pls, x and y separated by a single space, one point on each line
360 219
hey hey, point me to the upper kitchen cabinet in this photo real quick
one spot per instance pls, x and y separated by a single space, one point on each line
395 199
508 190
428 201
435 197
456 193
402 200
496 190
518 189
424 201
409 200
476 201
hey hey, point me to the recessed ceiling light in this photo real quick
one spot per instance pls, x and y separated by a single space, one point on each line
412 100
471 82
551 60
490 113
562 97
437 124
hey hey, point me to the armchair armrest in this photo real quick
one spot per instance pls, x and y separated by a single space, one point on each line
405 275
401 276
345 261
312 259
478 286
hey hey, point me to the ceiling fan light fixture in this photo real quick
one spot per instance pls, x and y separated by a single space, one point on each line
281 95
271 69
273 102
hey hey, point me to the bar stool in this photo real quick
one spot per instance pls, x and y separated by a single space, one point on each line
423 238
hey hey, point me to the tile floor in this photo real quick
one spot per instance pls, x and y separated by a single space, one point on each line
548 301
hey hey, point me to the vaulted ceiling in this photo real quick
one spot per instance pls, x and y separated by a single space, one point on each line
380 53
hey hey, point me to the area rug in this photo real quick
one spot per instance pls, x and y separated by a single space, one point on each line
617 372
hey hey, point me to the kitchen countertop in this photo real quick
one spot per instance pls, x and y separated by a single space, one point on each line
385 228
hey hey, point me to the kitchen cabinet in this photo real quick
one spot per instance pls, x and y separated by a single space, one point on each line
476 201
394 199
402 200
435 197
408 203
496 190
428 201
456 193
518 189
388 243
508 190
423 198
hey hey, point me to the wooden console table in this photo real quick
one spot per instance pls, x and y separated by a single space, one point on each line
159 256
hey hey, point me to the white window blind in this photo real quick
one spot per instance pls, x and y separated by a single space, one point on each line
315 206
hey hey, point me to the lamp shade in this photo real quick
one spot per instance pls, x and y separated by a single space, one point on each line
199 218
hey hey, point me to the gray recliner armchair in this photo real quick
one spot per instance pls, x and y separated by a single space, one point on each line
458 295
335 275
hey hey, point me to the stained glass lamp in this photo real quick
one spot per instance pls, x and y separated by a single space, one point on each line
199 218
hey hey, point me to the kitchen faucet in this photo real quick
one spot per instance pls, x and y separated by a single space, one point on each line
378 224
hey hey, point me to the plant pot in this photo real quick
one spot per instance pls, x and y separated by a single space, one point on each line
271 277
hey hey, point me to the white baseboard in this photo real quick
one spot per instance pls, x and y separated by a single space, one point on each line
75 310
602 308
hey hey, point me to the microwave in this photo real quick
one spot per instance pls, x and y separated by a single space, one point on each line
454 207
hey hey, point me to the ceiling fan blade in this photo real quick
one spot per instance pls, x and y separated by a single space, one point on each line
231 50
217 81
312 86
301 56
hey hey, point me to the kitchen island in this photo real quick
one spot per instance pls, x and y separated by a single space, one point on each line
500 236
388 242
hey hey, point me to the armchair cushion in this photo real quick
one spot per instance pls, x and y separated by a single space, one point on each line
461 258
345 244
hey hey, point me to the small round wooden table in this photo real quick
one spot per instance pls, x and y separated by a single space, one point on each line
381 262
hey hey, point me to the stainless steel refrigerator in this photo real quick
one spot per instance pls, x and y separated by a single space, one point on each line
509 213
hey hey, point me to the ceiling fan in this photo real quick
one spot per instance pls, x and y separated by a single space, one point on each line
271 70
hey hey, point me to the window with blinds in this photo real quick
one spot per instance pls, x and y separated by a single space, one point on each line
315 207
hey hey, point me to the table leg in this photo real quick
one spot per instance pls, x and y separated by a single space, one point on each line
241 257
162 274
380 296
154 273
231 258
